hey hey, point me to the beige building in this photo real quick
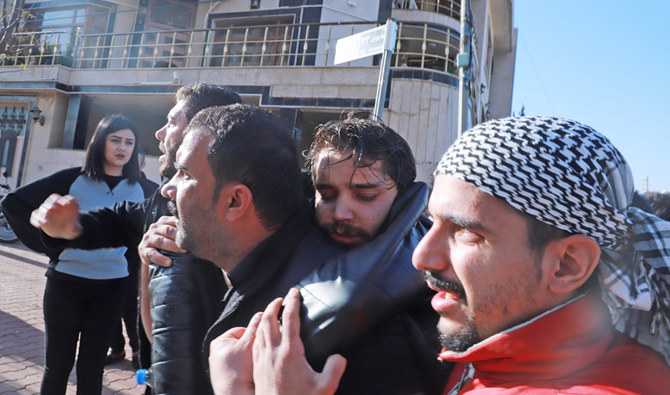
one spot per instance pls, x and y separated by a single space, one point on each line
78 61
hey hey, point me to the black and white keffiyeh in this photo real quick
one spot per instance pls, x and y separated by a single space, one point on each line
567 175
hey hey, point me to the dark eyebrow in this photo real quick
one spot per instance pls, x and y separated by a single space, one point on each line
463 223
180 167
354 186
322 186
120 137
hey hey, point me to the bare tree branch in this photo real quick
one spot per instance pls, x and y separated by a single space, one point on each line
12 21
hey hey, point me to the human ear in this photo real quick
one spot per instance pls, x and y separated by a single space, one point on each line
237 200
572 260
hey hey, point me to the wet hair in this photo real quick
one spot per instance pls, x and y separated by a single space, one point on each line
200 96
253 147
369 141
94 165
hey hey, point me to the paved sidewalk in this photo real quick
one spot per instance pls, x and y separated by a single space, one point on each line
22 329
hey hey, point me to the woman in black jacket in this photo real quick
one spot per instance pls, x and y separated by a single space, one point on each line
85 289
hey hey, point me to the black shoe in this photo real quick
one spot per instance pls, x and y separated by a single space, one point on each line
113 357
136 360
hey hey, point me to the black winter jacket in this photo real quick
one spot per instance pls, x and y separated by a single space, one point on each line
368 304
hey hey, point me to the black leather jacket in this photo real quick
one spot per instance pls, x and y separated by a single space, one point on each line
185 301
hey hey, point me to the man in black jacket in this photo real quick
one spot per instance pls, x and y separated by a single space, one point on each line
379 315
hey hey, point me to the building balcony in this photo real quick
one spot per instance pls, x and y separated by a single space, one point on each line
419 45
450 8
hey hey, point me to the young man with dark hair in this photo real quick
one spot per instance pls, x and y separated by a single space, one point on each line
236 183
358 167
518 316
189 100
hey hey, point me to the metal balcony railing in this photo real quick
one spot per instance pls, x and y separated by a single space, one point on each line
39 48
450 8
420 45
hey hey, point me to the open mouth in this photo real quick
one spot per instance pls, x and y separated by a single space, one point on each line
444 300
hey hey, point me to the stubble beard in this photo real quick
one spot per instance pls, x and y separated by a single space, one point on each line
167 169
462 339
182 238
167 160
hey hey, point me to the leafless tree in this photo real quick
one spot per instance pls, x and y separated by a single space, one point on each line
13 17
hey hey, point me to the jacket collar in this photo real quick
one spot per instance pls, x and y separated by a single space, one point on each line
554 344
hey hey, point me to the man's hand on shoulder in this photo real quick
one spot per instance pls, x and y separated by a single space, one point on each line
160 236
280 366
58 217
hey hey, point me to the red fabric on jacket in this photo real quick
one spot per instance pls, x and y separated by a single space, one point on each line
572 349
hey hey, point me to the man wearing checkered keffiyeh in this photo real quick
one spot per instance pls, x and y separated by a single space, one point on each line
573 182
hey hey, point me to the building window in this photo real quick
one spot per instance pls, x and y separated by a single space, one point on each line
58 28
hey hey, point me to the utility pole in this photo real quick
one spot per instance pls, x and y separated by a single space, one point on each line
463 63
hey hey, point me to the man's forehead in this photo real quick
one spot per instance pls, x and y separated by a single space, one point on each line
177 111
337 165
194 141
